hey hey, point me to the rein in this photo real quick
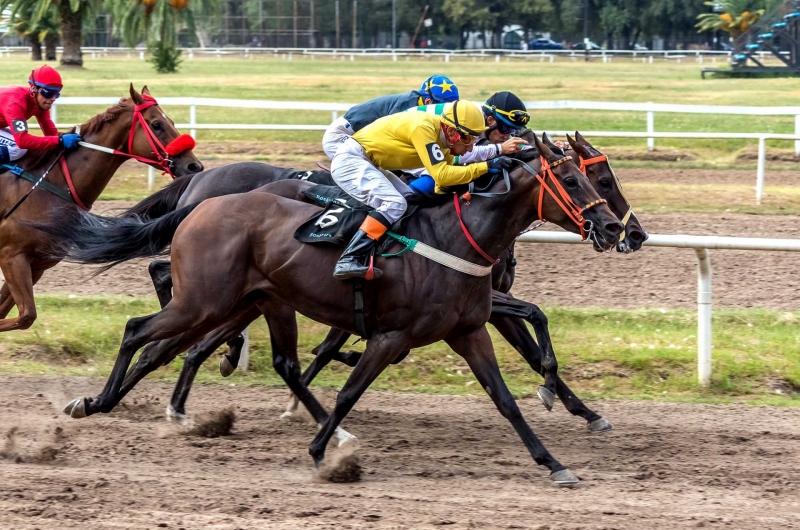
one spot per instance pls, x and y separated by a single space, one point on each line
163 154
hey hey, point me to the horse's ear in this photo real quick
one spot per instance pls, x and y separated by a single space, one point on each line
527 136
544 150
578 147
145 91
135 96
549 143
583 141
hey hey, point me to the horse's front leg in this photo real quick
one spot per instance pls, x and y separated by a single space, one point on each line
476 348
381 350
6 300
19 281
161 274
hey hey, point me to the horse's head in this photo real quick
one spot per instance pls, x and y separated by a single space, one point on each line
568 199
604 180
165 141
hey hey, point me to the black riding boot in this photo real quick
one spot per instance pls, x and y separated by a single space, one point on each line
357 259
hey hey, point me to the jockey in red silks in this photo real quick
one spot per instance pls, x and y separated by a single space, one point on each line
18 104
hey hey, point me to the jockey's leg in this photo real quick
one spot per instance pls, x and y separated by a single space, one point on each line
8 147
355 174
336 133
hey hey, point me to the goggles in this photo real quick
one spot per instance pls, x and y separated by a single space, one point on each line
519 119
466 138
48 93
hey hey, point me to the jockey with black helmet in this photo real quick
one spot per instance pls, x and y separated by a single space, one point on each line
19 104
435 89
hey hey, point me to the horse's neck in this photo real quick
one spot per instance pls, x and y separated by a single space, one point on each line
92 170
493 223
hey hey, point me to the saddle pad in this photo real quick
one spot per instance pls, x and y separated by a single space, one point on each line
337 223
314 176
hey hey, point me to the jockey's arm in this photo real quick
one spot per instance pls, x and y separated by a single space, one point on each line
18 122
480 153
440 166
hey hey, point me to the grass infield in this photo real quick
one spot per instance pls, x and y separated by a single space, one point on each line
643 354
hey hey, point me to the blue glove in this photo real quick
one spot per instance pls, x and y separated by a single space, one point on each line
69 140
496 165
424 185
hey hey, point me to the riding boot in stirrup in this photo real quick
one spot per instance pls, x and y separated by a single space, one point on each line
357 259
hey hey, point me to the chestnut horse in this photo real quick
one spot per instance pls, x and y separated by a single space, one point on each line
230 252
82 174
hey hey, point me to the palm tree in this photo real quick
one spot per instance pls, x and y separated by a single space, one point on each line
157 23
23 20
731 16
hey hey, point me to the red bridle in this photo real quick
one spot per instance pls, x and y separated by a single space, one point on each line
163 154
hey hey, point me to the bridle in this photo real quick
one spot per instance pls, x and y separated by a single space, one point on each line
586 162
163 154
563 199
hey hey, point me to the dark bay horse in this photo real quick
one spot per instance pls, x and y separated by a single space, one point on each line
26 253
231 252
508 314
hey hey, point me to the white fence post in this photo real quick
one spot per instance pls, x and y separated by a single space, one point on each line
762 158
193 119
54 112
244 358
151 178
651 142
797 133
334 115
703 316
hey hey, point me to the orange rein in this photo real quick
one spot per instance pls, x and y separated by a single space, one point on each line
566 203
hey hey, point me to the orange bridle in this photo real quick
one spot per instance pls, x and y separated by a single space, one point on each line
603 158
563 199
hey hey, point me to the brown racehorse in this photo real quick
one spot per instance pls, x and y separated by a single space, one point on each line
25 253
233 251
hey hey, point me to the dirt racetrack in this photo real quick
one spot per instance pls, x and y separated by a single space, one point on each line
428 461
575 276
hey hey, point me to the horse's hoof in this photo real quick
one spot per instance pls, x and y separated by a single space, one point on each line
344 437
600 425
287 415
176 417
225 366
565 477
76 408
547 397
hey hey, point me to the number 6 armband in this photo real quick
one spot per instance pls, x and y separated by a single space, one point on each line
434 153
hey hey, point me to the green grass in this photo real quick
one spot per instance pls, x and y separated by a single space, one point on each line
602 353
332 80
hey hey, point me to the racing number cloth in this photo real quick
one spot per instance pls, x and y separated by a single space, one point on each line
411 140
16 108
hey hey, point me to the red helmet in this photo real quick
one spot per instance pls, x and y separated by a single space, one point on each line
46 77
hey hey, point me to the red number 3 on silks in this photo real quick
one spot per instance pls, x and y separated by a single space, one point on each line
19 126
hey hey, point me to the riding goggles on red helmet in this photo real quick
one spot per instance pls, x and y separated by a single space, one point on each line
49 93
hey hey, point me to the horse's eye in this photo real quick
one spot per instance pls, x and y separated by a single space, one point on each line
571 182
605 183
156 126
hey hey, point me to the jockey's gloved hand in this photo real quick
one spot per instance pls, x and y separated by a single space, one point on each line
69 140
496 165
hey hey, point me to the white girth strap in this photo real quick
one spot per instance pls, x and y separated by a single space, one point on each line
448 260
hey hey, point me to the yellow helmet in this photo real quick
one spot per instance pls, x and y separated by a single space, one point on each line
465 116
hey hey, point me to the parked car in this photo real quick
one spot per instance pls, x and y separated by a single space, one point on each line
544 44
592 46
640 48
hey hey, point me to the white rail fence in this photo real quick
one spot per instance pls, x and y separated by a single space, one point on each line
650 110
701 246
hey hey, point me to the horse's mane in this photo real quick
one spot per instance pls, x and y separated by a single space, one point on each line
37 159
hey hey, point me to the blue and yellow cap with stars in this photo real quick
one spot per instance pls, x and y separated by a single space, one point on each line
440 89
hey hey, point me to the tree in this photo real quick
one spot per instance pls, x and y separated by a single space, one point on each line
731 16
157 23
23 21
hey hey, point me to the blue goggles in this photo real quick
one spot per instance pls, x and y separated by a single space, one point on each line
49 93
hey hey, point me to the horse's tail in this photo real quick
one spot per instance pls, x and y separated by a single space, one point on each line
161 202
112 240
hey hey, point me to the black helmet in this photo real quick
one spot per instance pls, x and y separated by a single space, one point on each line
508 111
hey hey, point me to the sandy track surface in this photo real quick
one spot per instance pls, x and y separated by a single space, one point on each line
427 461
577 276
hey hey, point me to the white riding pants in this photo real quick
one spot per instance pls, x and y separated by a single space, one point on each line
355 173
336 133
8 146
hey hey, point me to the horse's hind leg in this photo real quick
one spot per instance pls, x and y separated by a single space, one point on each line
6 300
476 348
19 280
161 274
201 351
